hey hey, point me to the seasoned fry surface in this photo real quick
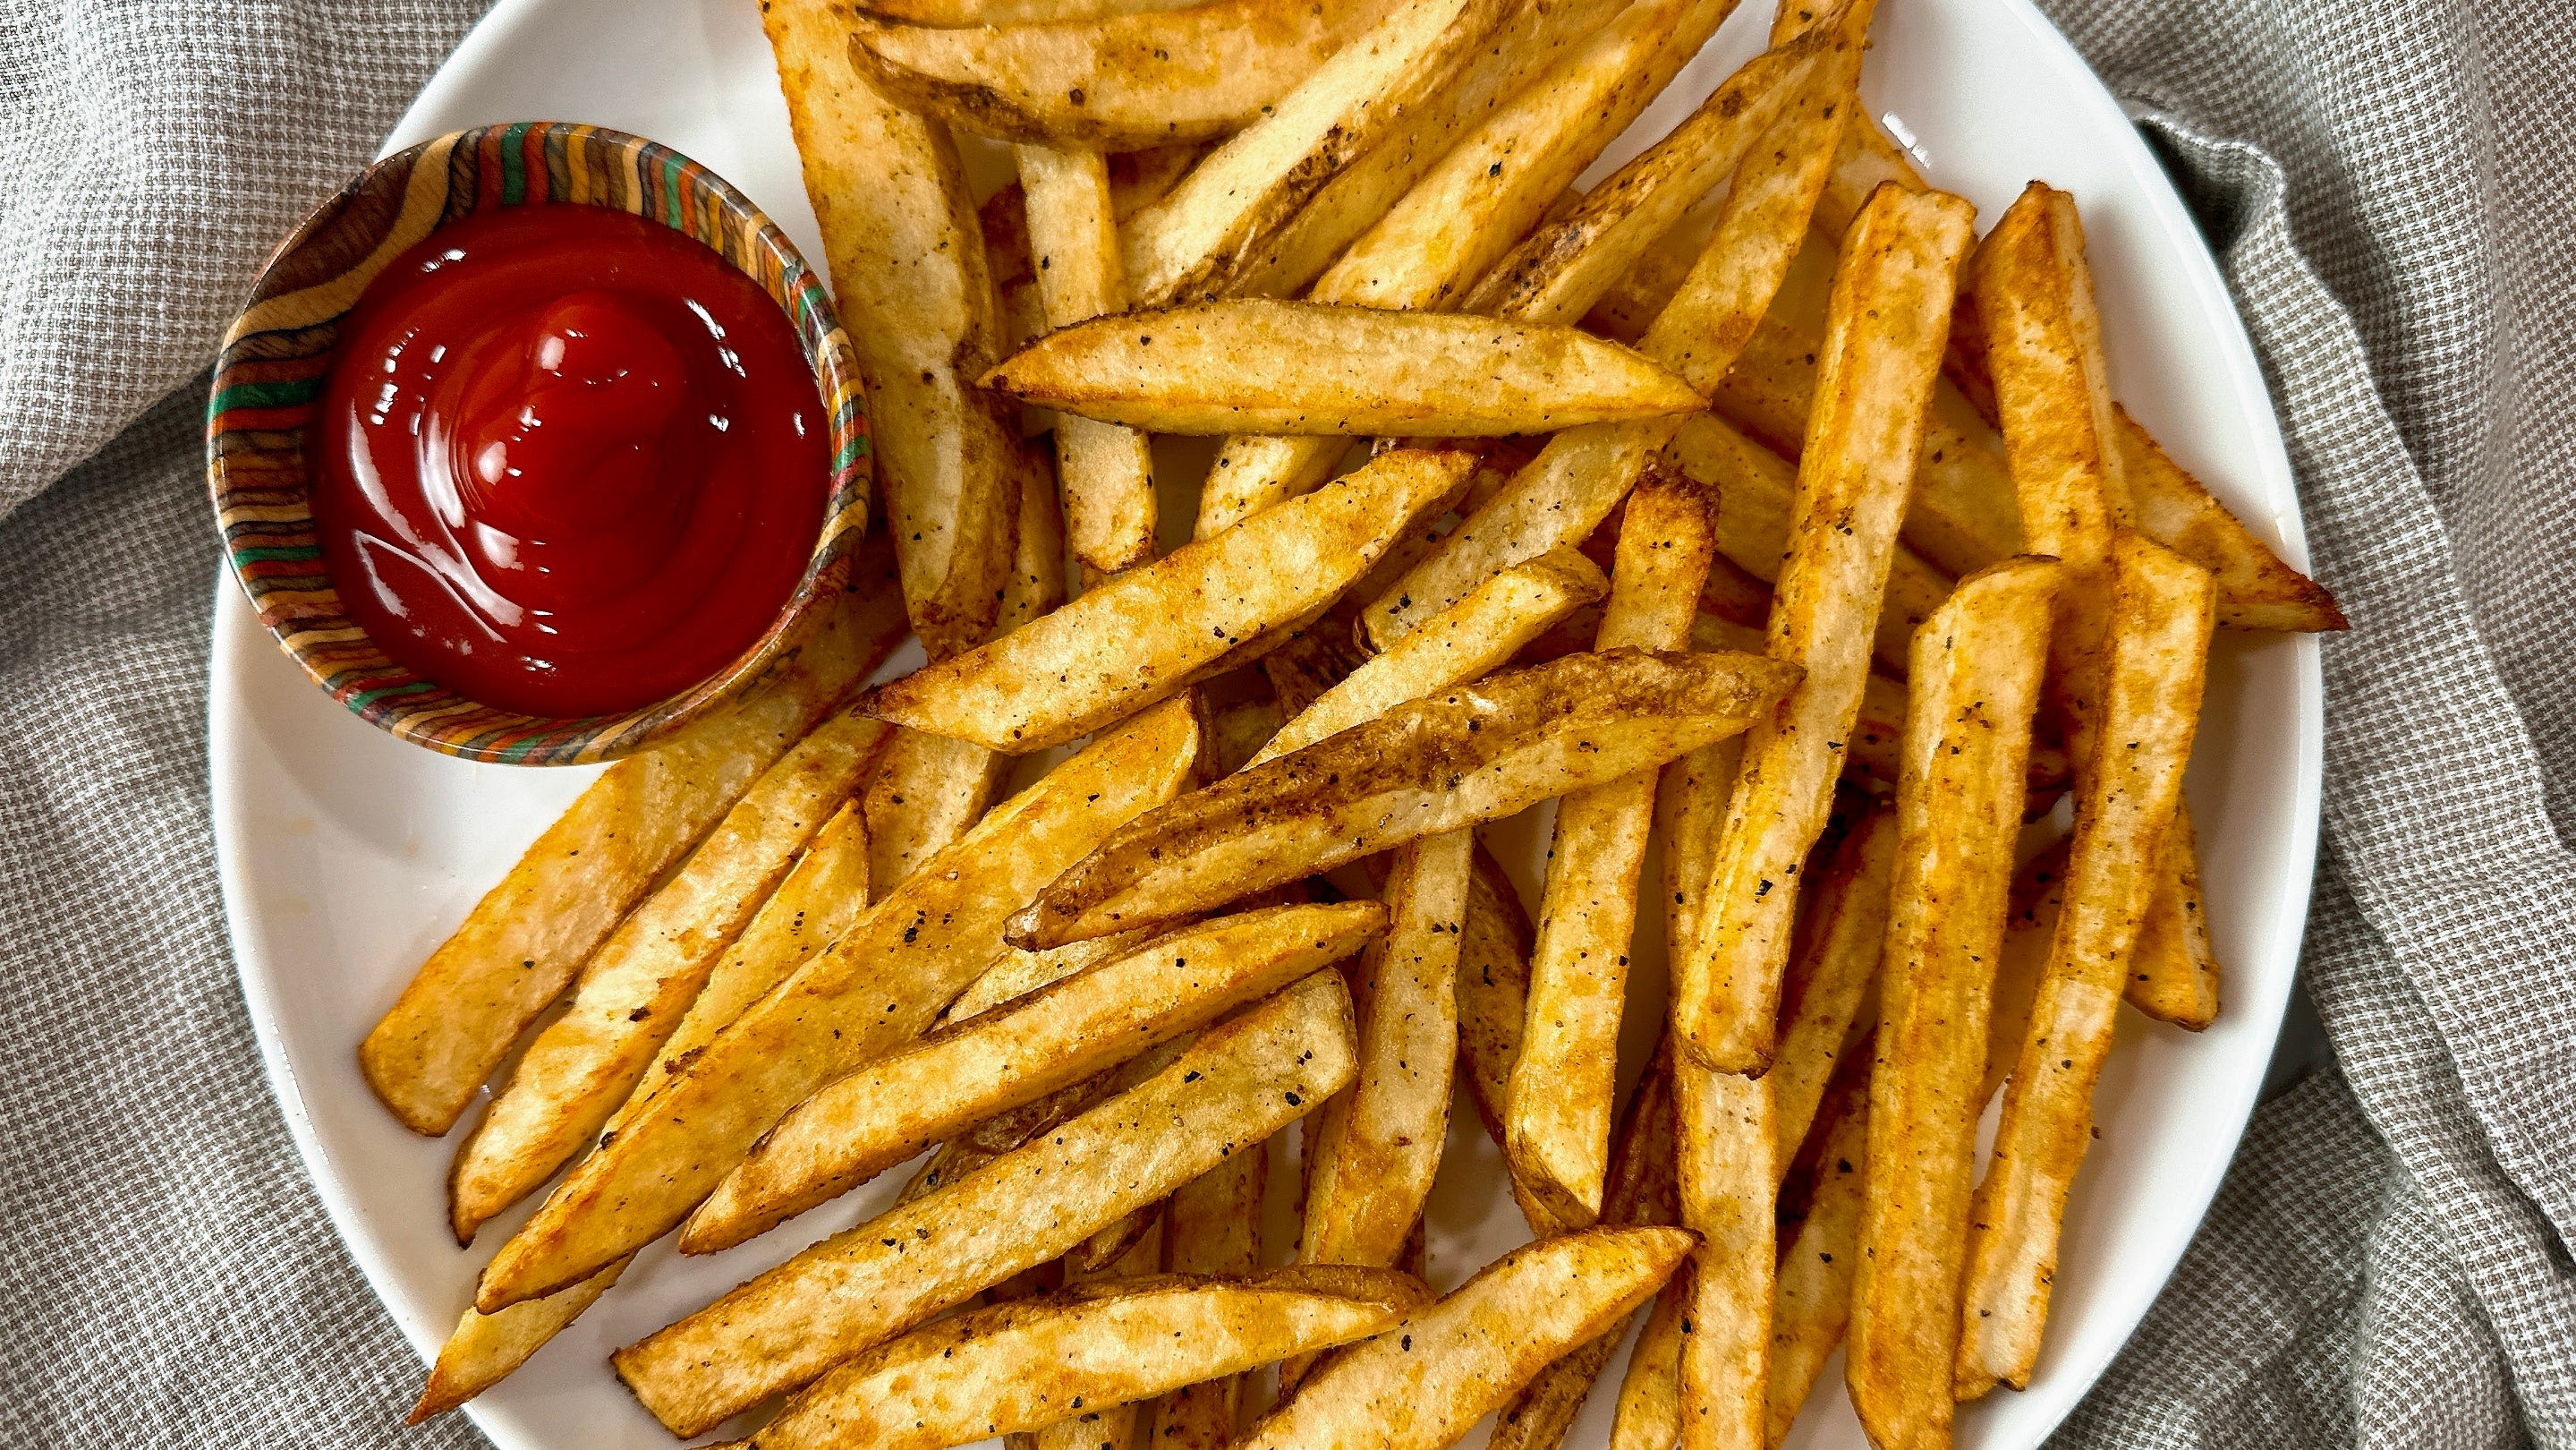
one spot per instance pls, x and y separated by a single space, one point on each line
1301 367
1474 753
1890 318
1238 1084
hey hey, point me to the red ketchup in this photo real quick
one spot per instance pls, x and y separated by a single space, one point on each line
569 462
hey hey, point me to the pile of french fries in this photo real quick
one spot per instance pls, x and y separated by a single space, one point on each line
1746 502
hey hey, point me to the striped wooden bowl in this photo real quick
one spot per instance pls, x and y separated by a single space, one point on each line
269 380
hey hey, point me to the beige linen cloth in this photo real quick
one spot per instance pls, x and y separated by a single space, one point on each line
2392 189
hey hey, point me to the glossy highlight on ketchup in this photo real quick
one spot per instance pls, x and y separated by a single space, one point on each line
568 462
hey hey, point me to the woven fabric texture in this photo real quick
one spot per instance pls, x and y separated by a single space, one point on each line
2393 196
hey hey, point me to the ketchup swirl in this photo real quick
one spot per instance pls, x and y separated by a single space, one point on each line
568 462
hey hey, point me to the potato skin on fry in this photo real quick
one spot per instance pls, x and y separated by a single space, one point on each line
1475 753
1424 1382
1113 83
1145 635
1022 1365
1237 1085
1259 366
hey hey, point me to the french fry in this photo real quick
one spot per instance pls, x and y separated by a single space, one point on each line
1890 317
1753 529
879 985
914 289
1259 366
1475 753
1493 997
927 793
1212 1226
1249 187
1006 1132
1523 53
1820 1001
1977 670
2038 895
1110 83
1566 492
1557 1116
1102 1421
954 13
518 948
1015 973
1559 271
1649 1413
2255 589
1145 635
1729 1194
2173 975
1241 1082
1471 638
1376 1146
1466 209
1014 1366
1107 471
1424 1382
634 990
1555 501
891 1109
1812 1302
2163 607
486 1349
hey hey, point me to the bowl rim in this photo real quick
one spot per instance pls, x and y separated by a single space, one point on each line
280 349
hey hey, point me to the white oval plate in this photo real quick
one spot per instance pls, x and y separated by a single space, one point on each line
346 855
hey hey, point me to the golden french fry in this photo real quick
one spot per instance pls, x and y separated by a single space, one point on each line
1555 500
1642 1190
2255 589
486 1349
1110 83
517 950
1212 1226
1760 489
1820 1001
1466 209
1260 366
634 990
2162 611
1763 221
1424 1382
1976 684
1020 1365
1145 635
1108 471
1649 1414
1376 1146
1103 1421
912 284
1010 12
1523 53
879 985
1015 973
1249 187
2173 975
1493 996
891 1109
1237 1085
1559 271
1813 1299
1890 317
2038 895
1005 1132
1472 638
927 793
1475 753
1729 1194
1557 1115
